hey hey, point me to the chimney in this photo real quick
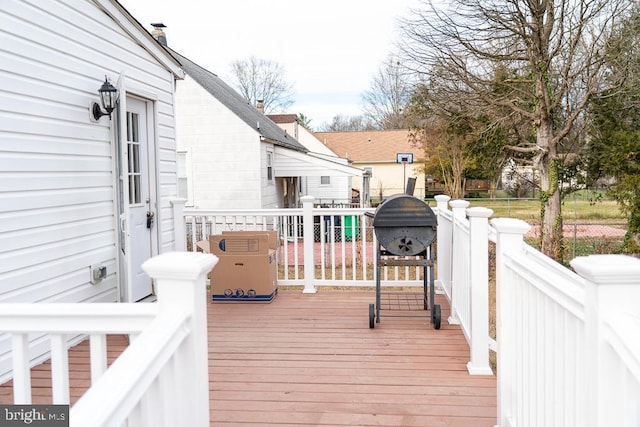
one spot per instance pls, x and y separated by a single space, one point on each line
260 105
158 33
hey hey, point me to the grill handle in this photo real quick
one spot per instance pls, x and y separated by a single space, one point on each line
370 214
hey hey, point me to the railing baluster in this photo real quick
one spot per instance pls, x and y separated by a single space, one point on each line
59 369
98 352
323 233
285 246
354 260
168 382
136 417
296 237
194 237
331 238
363 223
21 369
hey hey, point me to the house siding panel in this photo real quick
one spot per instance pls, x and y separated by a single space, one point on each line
225 152
57 186
338 190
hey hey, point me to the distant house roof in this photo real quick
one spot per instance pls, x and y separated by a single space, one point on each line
238 105
283 118
370 146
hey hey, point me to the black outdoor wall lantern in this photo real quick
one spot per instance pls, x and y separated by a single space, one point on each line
108 98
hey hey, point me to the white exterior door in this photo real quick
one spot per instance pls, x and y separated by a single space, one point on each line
137 207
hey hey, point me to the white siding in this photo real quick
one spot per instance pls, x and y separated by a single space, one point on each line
228 161
339 190
57 184
57 181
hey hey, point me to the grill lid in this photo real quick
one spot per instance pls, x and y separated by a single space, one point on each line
402 210
404 225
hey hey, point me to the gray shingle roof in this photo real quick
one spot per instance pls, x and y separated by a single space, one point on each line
237 104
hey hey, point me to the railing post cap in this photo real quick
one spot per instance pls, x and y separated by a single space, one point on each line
306 199
179 265
510 225
608 269
479 212
442 198
459 203
178 201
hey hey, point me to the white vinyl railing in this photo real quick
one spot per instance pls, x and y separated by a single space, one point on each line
568 350
318 246
162 376
567 343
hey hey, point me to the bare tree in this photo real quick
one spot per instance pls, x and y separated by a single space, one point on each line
340 123
390 89
261 79
554 53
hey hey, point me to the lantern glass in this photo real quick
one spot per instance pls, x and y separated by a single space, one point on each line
108 96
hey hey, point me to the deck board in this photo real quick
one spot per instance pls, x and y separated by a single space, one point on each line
311 360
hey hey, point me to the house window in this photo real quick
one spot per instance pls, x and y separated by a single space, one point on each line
270 166
325 180
184 172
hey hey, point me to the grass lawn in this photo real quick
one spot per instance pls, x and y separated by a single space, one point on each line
577 208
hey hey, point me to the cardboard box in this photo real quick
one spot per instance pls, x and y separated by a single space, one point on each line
247 266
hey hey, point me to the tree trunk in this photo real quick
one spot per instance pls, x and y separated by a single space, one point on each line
551 209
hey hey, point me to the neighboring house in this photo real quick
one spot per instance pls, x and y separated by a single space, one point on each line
380 153
75 192
330 189
230 154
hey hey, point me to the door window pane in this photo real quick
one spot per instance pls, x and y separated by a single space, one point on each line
133 158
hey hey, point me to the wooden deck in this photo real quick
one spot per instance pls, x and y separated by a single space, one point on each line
311 360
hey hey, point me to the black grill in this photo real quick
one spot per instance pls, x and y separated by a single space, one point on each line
406 229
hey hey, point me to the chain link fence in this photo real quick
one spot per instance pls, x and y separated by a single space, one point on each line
592 222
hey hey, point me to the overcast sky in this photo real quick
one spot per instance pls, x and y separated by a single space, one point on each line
330 49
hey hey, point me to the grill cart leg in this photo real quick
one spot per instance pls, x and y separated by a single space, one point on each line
425 288
436 313
378 286
372 316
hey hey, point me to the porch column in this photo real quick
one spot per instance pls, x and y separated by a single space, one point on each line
309 256
443 258
180 279
479 282
612 317
179 229
510 238
458 269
